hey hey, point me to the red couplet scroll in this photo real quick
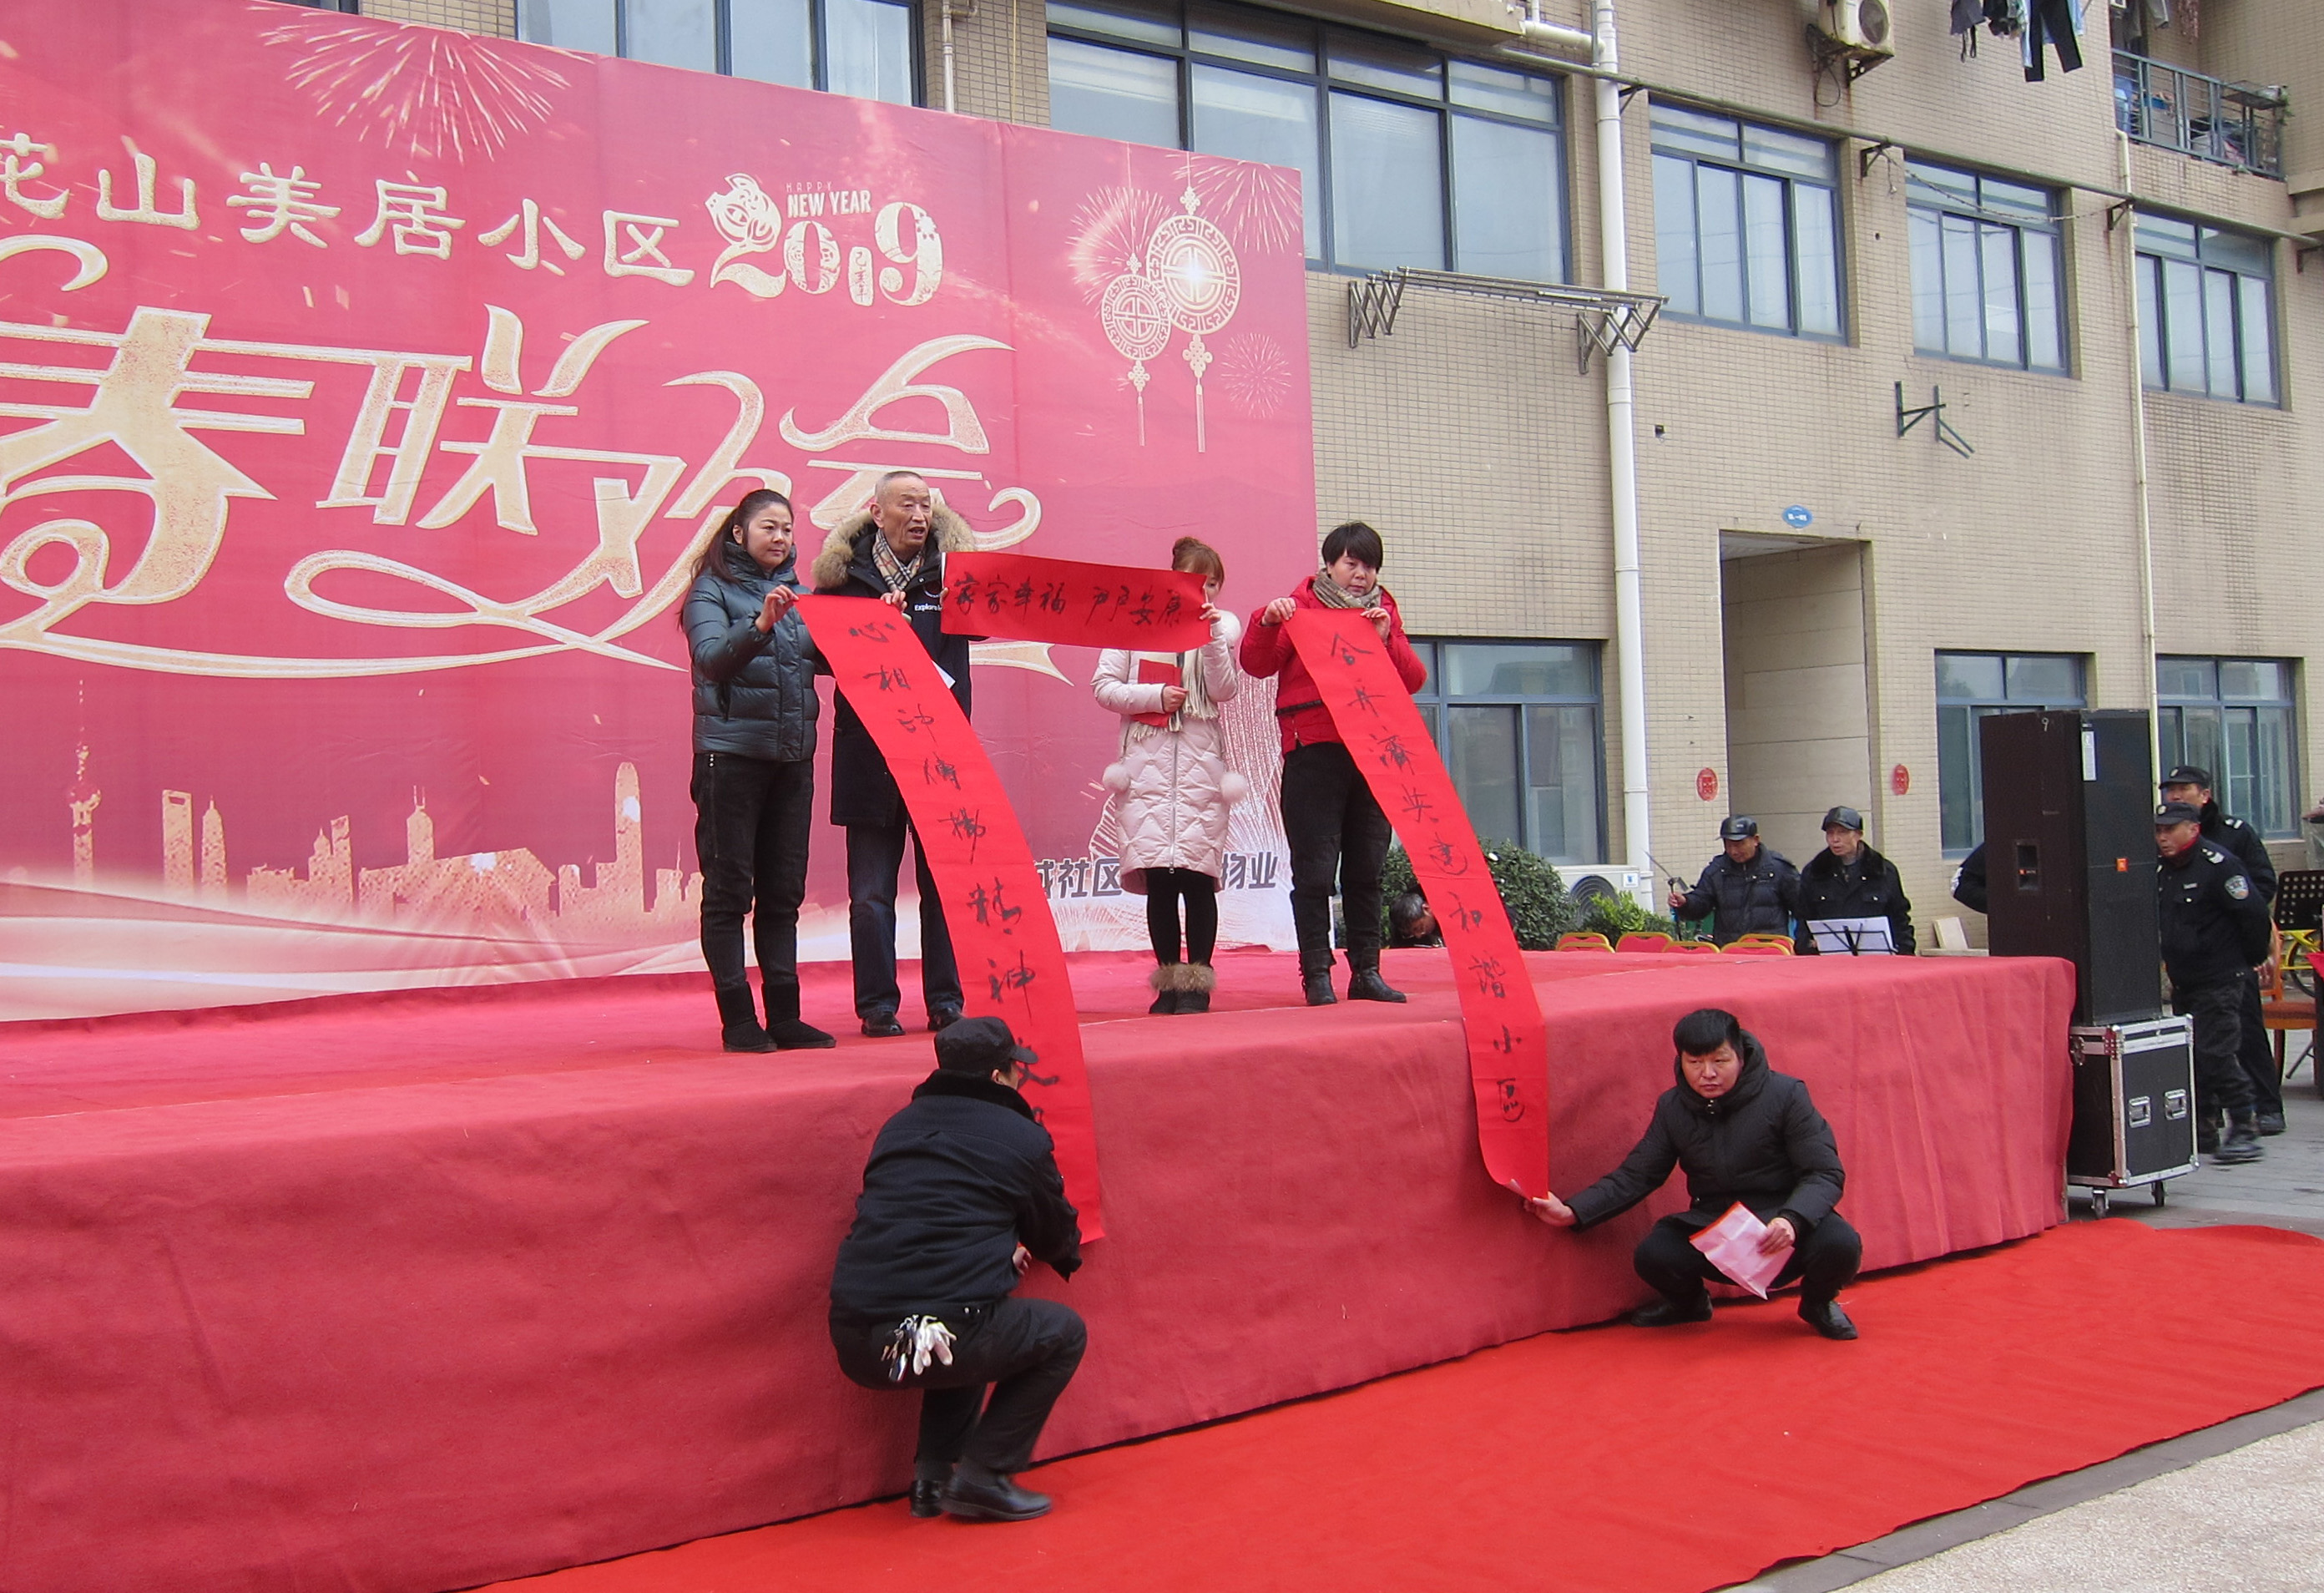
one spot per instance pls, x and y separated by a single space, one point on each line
1012 964
1508 1044
1072 604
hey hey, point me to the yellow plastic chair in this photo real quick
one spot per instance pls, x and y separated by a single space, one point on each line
1644 942
1584 940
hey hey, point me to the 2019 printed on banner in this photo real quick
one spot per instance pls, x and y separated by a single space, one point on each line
369 388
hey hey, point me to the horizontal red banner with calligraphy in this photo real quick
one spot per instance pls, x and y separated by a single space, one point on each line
1508 1043
1072 604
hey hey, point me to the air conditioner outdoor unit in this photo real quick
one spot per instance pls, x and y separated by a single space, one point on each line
1609 879
1861 28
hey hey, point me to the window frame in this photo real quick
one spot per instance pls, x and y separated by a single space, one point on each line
2152 255
1435 699
2171 719
723 42
1925 198
1742 167
1186 55
1980 707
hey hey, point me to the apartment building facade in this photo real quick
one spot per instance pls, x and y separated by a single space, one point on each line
1969 391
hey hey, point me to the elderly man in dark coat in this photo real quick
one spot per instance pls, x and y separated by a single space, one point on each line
1848 881
1742 1132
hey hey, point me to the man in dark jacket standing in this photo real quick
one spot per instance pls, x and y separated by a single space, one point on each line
2215 927
1745 890
884 552
961 1195
2236 838
1849 880
1742 1132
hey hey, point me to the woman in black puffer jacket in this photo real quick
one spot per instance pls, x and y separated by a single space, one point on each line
754 711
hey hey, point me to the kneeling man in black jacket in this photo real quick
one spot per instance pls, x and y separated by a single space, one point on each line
961 1195
1743 1131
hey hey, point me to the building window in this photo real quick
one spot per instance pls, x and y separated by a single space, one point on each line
1518 724
1974 686
857 47
1984 269
1406 156
2233 717
1745 224
2205 320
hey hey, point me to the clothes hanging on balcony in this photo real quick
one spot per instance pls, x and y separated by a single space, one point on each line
2060 22
2006 18
2142 17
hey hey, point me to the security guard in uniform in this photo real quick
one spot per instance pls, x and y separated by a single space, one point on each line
2192 785
2215 927
1745 890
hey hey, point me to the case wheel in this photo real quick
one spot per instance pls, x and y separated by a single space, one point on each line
2099 1199
2157 1188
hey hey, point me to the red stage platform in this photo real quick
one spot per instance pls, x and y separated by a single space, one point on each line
418 1292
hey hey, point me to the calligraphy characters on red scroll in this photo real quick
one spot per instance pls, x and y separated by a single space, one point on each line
1074 605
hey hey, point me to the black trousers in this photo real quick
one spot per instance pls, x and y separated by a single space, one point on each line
1338 839
752 820
1164 888
1823 1263
875 857
1028 1349
2218 1009
2256 1053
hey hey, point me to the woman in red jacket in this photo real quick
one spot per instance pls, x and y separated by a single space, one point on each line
1337 832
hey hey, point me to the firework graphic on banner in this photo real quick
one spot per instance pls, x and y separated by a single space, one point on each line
1253 375
428 92
1194 265
1258 205
1110 234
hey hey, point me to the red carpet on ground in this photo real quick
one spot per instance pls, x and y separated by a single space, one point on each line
1618 1460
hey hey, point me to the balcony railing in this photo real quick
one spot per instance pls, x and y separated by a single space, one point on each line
2238 125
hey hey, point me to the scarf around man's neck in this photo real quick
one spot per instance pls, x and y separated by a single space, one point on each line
892 570
1331 593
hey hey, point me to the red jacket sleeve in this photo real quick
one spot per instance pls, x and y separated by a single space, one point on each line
1414 673
1266 648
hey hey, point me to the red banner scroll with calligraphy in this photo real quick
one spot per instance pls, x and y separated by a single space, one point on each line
368 389
1011 966
1508 1044
1076 605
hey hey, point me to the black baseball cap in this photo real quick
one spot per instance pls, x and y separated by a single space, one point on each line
2177 813
1844 819
2189 774
1738 827
980 1045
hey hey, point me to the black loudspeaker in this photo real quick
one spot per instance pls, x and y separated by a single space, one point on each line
2069 853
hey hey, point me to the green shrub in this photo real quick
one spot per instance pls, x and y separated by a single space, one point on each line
1616 916
1538 906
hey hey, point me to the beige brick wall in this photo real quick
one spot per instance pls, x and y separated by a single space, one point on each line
493 18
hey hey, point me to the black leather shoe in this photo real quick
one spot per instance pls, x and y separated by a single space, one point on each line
1318 987
2271 1123
942 1018
1669 1313
791 1034
1366 985
881 1026
999 1500
928 1498
1827 1319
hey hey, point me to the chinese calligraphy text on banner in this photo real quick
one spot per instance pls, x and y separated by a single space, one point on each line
1508 1043
1011 966
368 389
1061 600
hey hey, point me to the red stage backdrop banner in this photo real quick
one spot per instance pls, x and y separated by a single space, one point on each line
1508 1044
368 388
1059 600
1011 966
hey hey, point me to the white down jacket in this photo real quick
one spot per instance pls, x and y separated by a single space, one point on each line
1172 788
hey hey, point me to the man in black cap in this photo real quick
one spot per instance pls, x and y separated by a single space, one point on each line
1849 880
1746 890
2192 785
2215 927
1741 1131
961 1195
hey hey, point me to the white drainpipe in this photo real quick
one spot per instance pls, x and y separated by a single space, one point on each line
1621 440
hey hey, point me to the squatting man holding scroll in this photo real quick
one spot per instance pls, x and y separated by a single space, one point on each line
1743 1133
962 1194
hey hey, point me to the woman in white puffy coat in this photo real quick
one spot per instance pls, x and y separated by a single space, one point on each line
1172 788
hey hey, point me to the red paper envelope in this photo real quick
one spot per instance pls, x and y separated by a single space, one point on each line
1153 671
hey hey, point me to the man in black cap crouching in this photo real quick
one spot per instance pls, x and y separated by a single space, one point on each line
961 1195
1742 1132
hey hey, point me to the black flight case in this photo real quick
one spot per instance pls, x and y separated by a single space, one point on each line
2133 1107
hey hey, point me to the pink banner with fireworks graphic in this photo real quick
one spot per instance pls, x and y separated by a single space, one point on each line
369 388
